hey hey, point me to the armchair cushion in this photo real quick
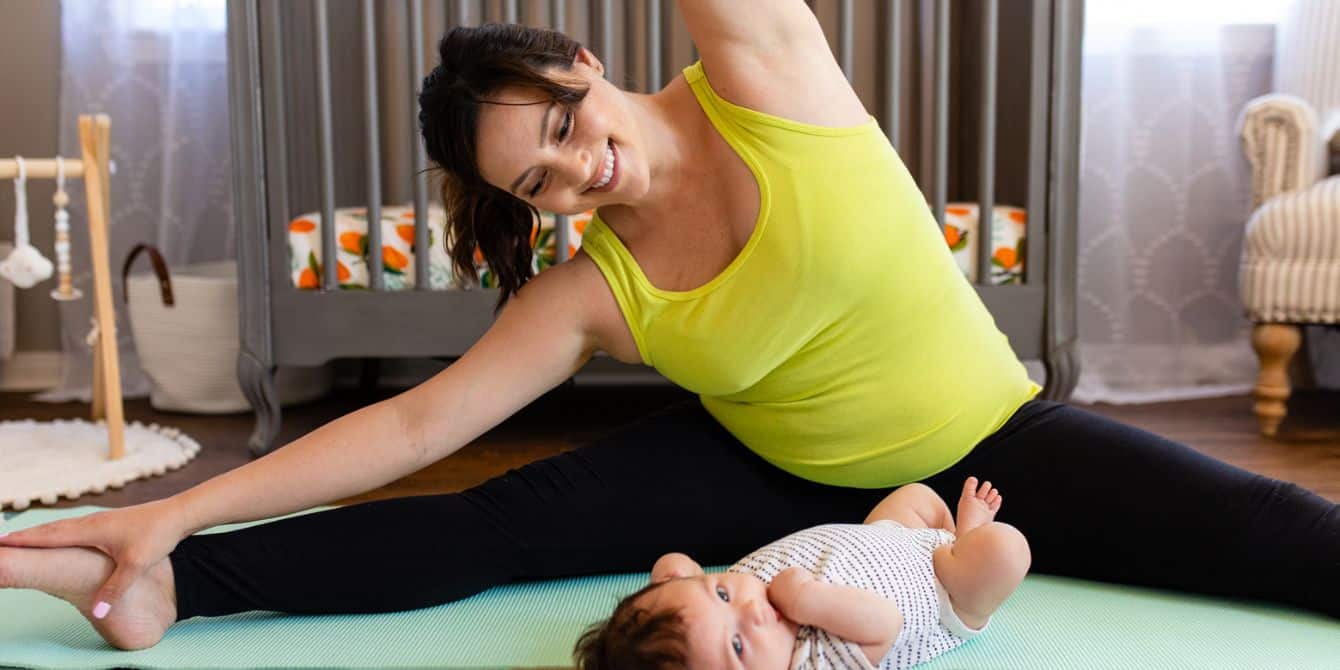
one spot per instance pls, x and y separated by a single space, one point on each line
1291 257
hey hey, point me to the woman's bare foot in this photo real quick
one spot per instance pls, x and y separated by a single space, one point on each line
74 574
977 505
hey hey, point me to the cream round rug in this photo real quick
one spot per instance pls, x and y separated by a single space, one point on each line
44 460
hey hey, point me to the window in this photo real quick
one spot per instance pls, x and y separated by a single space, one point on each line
171 15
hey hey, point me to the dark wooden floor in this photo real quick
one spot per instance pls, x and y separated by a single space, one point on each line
1307 453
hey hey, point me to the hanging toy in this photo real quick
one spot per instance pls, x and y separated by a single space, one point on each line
26 266
66 291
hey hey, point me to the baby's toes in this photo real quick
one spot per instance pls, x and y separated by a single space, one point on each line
970 487
994 505
984 492
992 496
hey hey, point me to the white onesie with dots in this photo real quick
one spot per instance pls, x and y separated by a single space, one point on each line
884 557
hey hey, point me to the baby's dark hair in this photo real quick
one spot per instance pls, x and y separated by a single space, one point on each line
634 638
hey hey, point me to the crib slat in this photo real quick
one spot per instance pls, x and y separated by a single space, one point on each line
940 179
462 12
561 238
276 136
418 160
605 31
376 279
845 37
1035 267
653 46
510 11
893 25
627 71
558 15
325 150
986 155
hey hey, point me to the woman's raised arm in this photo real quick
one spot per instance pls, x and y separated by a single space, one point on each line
772 56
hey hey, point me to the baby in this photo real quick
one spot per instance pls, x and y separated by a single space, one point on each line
896 591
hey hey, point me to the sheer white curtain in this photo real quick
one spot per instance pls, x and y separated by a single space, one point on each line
1165 194
158 68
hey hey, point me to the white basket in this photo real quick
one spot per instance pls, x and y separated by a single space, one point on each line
189 349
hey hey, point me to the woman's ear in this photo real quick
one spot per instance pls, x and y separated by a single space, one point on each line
585 57
674 566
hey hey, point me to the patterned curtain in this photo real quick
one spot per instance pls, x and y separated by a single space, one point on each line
158 68
1165 194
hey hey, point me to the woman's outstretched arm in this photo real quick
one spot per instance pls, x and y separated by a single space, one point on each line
538 341
541 337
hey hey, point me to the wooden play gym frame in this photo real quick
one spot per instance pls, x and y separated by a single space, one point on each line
94 144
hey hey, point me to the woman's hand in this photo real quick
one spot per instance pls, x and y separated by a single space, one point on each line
135 538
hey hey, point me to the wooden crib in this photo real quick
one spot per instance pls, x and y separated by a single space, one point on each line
997 120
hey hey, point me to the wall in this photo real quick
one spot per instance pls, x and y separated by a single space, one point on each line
30 78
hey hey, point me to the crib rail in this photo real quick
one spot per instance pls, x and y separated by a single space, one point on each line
602 32
1037 315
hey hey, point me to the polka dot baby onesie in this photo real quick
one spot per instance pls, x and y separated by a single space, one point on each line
884 557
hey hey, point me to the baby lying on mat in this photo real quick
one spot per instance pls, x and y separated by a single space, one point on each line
893 592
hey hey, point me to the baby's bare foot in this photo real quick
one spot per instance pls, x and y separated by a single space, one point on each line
977 505
74 574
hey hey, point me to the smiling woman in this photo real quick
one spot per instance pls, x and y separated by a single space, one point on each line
802 290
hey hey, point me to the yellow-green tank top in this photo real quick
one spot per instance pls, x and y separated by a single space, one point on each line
843 344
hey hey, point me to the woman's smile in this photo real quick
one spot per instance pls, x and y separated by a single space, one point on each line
608 176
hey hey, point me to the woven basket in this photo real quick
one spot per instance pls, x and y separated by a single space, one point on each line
185 329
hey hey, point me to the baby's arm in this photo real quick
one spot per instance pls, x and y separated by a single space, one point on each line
851 613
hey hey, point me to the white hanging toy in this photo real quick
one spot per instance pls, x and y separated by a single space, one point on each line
66 290
26 266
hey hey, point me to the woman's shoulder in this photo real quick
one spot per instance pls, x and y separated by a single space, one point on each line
578 285
773 59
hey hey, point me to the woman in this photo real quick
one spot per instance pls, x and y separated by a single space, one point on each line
745 217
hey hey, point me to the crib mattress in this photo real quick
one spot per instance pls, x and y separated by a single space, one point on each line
399 256
1050 622
398 253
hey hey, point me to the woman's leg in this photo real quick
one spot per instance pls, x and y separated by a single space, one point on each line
1101 500
675 481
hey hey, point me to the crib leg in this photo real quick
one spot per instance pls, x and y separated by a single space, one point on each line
1062 365
258 384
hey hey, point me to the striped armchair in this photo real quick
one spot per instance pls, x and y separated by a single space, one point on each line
1290 272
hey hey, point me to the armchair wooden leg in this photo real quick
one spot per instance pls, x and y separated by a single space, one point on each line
1275 345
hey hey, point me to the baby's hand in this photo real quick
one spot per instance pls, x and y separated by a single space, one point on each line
784 591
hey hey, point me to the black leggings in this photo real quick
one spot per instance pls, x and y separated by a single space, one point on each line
1095 498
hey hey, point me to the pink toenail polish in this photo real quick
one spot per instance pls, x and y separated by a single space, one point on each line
100 610
3 534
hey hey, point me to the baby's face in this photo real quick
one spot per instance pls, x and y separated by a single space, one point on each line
729 622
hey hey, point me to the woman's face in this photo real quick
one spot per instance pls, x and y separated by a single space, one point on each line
561 160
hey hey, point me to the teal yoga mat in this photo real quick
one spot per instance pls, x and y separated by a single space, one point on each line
1050 623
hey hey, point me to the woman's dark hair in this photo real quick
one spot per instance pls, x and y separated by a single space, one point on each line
634 638
475 63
